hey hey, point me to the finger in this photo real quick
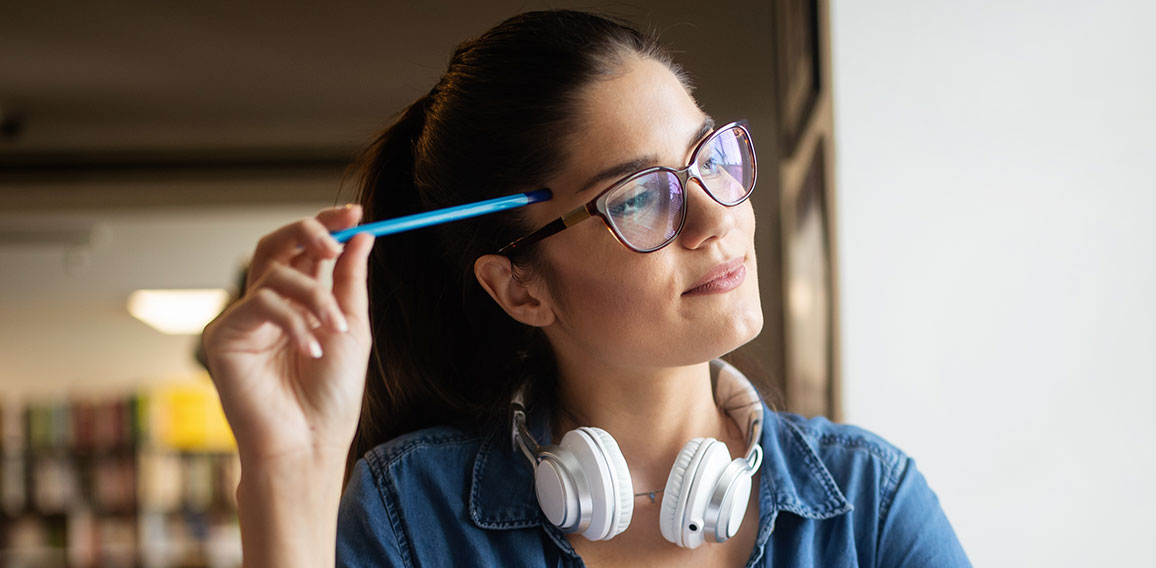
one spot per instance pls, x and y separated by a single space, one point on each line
334 220
307 293
338 218
308 236
349 277
312 320
265 305
307 265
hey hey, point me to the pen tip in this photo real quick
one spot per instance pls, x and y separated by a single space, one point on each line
537 195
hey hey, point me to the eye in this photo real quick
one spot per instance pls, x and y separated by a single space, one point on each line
634 204
713 163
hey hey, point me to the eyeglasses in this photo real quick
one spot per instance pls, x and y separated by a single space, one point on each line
646 210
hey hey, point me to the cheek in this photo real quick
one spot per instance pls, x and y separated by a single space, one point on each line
607 289
610 297
746 219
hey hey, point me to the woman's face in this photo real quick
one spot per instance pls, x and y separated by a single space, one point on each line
628 309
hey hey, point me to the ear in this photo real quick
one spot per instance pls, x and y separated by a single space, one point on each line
525 302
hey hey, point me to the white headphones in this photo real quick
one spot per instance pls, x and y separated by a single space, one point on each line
583 484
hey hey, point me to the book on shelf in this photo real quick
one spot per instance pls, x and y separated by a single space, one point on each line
147 478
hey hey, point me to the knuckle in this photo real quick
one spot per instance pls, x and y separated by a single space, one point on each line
263 245
311 228
266 297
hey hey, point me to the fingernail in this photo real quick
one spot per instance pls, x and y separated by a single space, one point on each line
314 349
342 325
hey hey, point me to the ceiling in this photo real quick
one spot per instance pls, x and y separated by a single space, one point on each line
146 75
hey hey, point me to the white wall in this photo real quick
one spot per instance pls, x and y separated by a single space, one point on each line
64 324
997 232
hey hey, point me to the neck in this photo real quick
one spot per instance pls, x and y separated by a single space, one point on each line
651 412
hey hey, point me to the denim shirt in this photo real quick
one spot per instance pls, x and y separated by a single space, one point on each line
829 495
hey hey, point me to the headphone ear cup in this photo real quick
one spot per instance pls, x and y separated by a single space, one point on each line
671 496
690 502
623 486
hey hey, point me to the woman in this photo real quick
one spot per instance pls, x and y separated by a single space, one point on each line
537 387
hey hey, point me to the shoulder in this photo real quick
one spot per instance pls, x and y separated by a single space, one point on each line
425 446
891 516
416 481
899 520
438 459
865 467
826 436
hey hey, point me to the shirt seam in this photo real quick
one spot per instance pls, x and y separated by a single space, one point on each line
381 462
891 457
892 461
477 482
768 512
387 492
891 487
390 456
818 470
880 451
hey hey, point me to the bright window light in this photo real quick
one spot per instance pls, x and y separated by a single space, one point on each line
177 312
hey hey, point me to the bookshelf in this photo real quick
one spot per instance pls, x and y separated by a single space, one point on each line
144 479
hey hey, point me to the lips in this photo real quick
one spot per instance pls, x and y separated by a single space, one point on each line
722 278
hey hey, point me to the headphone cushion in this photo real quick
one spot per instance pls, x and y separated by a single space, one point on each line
624 488
667 524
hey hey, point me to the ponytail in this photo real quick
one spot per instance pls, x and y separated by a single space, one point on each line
443 351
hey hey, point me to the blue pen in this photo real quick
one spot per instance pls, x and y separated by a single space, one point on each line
438 216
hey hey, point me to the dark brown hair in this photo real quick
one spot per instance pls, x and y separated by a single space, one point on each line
495 124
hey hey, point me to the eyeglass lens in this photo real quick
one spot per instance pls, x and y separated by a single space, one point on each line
647 211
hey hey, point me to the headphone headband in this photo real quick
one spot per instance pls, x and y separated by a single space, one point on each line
731 388
742 404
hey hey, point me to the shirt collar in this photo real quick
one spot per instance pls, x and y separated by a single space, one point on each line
502 488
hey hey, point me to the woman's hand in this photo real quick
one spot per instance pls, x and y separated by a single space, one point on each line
289 358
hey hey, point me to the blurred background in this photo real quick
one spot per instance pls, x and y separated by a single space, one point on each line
954 243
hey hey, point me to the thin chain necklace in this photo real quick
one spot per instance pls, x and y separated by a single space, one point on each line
648 494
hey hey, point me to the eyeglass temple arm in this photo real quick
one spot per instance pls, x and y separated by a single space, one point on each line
569 219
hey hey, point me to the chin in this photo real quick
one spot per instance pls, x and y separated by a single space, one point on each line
748 325
743 329
748 314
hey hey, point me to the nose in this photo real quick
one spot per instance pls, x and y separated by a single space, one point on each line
706 219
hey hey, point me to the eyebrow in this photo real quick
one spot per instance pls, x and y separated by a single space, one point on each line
643 161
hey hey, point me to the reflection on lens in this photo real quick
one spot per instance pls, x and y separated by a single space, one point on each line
726 165
647 210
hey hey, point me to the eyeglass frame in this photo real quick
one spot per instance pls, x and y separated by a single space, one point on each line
596 207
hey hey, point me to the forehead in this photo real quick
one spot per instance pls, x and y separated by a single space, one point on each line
641 110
